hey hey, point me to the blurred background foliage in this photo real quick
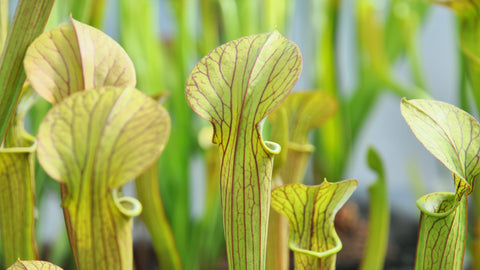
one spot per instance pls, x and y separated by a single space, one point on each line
166 38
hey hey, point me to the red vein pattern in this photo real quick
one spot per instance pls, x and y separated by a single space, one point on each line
73 57
453 137
450 134
292 121
96 141
235 87
311 211
33 265
104 61
442 231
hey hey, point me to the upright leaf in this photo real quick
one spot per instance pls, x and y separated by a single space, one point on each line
442 231
379 217
311 212
292 121
62 62
3 22
73 57
333 145
209 243
468 19
95 142
469 36
235 87
155 219
29 20
453 137
278 254
139 36
88 11
17 183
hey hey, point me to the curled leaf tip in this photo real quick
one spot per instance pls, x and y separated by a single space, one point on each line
438 204
374 160
272 147
442 231
128 206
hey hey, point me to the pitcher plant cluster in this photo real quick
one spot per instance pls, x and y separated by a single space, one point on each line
100 132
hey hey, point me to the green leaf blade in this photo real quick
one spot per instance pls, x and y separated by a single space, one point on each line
73 57
300 113
311 212
450 134
117 110
237 90
235 87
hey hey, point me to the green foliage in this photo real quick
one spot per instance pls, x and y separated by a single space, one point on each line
452 136
90 140
17 182
112 156
442 231
77 67
292 122
468 17
379 216
310 212
28 23
235 87
73 57
155 219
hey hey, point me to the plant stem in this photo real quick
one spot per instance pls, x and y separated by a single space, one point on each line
230 21
249 16
17 201
379 220
3 22
414 55
333 144
210 22
155 219
88 11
